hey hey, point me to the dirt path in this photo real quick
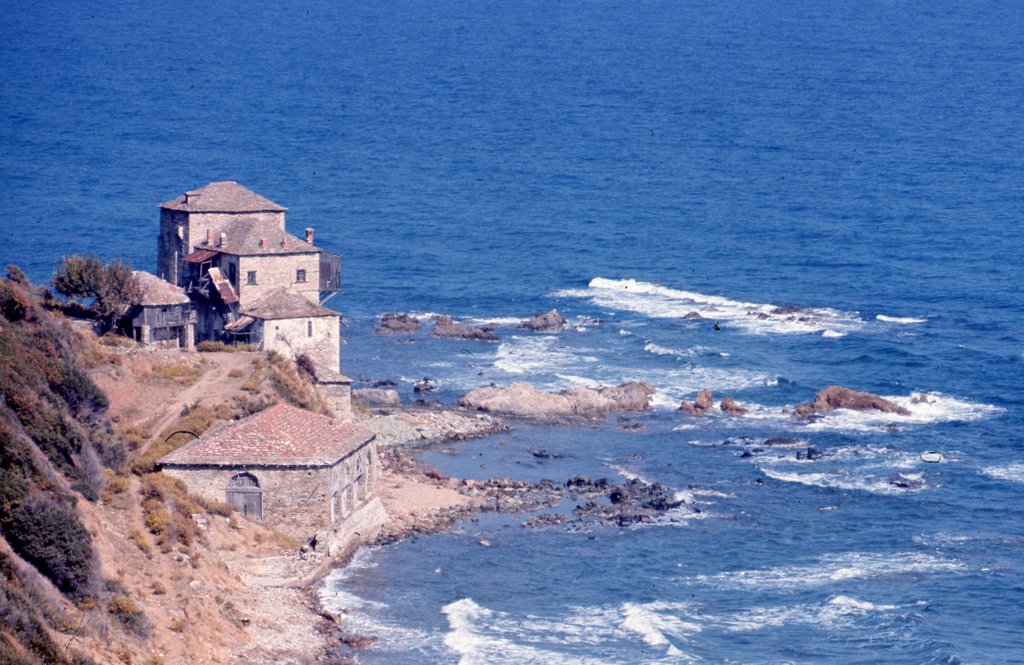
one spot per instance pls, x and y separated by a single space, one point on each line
215 384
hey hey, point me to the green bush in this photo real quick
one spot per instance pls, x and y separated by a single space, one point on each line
48 534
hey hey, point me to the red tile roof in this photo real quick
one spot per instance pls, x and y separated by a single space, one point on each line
282 435
224 196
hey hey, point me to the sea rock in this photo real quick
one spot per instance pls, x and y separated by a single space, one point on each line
544 322
393 323
693 315
729 405
377 397
524 401
425 385
905 482
781 441
811 454
920 398
789 309
703 404
445 326
838 397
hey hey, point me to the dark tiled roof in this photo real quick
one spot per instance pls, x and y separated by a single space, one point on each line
282 303
224 196
159 292
282 435
242 238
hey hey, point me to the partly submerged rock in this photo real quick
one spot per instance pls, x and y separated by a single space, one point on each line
544 322
730 406
906 482
445 326
693 315
838 397
789 309
393 323
702 405
524 401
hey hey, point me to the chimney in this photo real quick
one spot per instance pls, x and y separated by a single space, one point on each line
309 235
223 239
209 236
284 242
263 244
186 198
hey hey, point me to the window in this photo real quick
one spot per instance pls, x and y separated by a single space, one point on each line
250 277
300 276
309 328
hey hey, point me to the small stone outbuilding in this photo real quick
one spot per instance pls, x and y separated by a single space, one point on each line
302 473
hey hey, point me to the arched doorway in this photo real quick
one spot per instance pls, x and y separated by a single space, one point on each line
244 493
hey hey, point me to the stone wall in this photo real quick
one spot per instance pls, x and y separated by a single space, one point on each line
299 501
182 232
279 270
317 336
338 395
296 501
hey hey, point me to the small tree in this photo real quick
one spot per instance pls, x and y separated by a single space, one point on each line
112 288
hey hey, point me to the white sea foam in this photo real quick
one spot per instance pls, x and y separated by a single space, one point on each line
845 480
521 354
693 351
495 321
906 320
628 474
826 571
833 334
939 408
658 301
1013 472
489 637
656 622
836 613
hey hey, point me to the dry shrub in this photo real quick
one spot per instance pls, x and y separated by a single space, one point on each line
236 373
209 346
115 340
141 541
181 373
130 616
194 419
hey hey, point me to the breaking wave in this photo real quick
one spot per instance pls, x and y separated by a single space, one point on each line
825 571
1013 472
659 301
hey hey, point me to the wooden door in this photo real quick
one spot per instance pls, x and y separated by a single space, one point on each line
245 494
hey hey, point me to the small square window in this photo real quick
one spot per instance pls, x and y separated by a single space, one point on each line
300 276
250 277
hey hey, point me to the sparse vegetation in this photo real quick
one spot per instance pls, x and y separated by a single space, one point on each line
210 346
181 372
129 615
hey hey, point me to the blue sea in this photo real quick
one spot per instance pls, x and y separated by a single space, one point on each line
626 163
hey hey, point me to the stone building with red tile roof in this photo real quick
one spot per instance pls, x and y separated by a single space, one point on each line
302 473
250 281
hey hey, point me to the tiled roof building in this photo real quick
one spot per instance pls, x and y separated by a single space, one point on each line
296 470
